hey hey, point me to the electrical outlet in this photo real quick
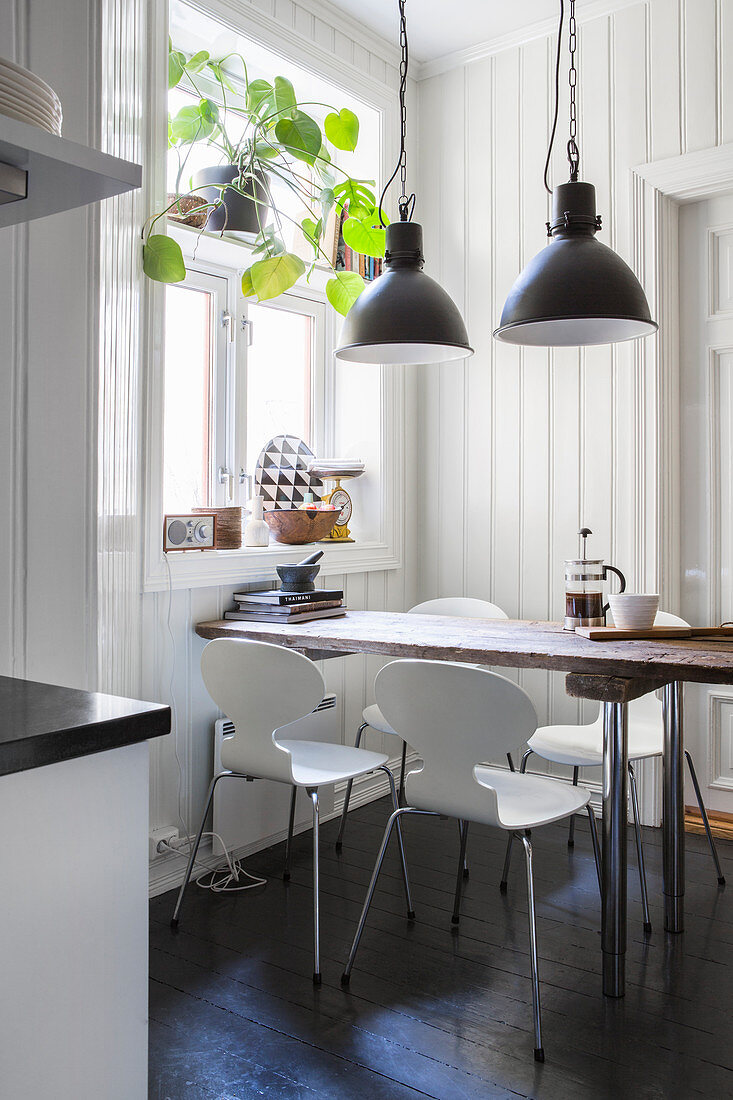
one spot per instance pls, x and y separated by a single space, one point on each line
157 836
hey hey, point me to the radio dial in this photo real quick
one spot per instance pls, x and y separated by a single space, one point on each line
202 532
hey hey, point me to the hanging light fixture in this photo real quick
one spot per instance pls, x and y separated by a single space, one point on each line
404 316
575 291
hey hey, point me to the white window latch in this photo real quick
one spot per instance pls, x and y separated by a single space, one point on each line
226 477
247 327
228 323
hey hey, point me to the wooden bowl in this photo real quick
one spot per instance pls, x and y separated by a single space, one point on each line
298 526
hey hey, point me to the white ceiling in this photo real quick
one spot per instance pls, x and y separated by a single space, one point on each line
437 27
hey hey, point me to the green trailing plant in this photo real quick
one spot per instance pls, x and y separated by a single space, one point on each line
279 141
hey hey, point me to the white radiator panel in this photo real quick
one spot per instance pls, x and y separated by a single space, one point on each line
240 807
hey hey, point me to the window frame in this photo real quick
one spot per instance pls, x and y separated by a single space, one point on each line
196 569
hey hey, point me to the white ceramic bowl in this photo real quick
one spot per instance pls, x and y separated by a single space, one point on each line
634 610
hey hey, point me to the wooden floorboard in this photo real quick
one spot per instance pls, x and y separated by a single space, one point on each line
434 1010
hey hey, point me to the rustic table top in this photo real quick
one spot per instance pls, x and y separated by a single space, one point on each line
510 643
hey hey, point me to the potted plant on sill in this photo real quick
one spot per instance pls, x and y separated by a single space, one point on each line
279 141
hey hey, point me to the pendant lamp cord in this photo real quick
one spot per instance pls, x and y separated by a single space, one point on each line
572 146
405 203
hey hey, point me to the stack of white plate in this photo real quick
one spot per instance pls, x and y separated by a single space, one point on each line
24 96
335 467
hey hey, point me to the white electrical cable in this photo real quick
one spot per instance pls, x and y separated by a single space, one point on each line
223 879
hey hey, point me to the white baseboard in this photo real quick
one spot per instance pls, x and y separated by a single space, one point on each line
167 872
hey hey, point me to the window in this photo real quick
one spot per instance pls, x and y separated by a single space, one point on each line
236 374
225 373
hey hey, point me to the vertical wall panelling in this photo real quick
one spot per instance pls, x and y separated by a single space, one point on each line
118 504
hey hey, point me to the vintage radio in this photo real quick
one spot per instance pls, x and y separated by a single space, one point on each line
193 531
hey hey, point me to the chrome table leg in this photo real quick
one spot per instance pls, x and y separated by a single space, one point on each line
613 862
673 804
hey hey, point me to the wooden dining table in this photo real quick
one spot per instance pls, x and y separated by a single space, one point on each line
612 672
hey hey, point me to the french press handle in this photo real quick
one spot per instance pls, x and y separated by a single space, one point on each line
612 569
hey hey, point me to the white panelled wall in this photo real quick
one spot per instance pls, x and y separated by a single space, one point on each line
518 448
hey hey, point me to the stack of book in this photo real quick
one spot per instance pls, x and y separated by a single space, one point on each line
276 606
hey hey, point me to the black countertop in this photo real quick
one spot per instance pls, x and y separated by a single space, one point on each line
42 724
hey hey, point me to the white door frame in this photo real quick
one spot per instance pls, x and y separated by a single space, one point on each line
659 188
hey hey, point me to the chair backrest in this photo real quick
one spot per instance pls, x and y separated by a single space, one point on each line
261 688
456 716
460 606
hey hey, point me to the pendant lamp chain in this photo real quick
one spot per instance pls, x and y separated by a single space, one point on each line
572 146
573 151
405 203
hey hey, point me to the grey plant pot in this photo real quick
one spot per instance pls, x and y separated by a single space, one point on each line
238 212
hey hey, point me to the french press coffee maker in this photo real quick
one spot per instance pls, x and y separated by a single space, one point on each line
584 579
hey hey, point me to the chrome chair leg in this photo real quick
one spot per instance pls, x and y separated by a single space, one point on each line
539 1053
639 848
346 976
313 795
507 862
704 815
400 843
403 766
194 850
464 862
463 830
349 785
289 842
510 839
571 827
596 846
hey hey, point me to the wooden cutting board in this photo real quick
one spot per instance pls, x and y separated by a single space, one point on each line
615 634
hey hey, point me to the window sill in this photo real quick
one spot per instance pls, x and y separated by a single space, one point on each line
206 568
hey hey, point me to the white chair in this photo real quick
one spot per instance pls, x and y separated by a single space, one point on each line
582 747
458 606
262 688
455 716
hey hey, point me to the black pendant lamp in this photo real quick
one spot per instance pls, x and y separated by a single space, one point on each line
403 316
576 291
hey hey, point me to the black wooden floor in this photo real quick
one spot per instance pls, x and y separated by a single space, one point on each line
432 1011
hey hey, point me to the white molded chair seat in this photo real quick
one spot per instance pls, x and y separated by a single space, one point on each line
317 763
582 746
528 801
